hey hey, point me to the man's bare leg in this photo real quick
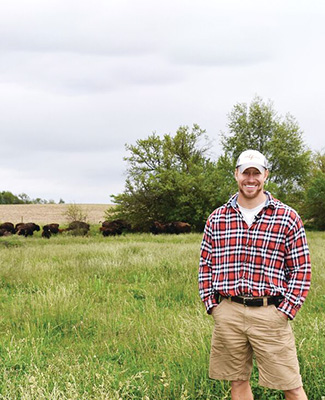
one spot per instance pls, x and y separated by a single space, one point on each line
241 390
295 394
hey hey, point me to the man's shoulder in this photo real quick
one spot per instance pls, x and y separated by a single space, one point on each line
218 212
282 209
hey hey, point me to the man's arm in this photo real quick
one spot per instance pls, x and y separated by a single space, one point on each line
297 260
205 270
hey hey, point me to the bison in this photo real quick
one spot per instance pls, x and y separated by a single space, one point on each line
116 227
117 223
46 232
52 228
8 226
157 227
110 231
26 229
78 228
4 232
176 227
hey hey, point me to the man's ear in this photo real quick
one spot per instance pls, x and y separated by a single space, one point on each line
266 174
236 173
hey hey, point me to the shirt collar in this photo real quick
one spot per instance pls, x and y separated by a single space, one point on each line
270 202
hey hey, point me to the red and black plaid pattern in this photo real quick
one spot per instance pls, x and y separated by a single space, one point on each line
269 258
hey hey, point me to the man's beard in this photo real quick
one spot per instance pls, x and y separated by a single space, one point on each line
251 195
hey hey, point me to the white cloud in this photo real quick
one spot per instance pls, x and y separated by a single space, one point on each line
78 80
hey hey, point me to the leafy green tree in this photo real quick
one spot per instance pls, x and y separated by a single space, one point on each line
169 178
75 212
9 198
315 202
279 138
24 198
318 163
314 206
38 200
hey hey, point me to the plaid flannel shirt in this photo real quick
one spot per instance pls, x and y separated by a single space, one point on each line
269 258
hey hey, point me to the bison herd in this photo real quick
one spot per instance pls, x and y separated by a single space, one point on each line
28 229
117 227
108 228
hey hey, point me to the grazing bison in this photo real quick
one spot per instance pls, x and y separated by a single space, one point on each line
78 228
117 223
157 227
46 232
17 226
171 227
4 232
52 228
109 231
8 226
26 229
116 227
178 227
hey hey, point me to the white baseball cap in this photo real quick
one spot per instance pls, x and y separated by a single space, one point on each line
251 158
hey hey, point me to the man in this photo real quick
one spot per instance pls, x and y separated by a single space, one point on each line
254 276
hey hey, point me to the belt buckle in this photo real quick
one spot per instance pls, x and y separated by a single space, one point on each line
244 301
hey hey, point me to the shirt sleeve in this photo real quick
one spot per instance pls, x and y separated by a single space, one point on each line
298 270
205 270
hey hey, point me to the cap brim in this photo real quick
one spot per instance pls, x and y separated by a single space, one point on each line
251 165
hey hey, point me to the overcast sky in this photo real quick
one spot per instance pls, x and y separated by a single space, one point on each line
80 79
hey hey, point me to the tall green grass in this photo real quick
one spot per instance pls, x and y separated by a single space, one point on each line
120 318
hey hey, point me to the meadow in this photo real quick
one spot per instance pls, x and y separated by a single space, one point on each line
121 318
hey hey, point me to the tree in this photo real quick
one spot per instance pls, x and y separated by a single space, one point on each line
9 198
314 206
168 179
74 212
318 162
315 202
279 139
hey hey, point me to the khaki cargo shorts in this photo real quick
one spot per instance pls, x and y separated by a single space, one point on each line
240 332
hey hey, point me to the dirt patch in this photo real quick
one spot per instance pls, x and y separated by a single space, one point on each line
49 213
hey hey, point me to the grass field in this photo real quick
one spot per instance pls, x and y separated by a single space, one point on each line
120 318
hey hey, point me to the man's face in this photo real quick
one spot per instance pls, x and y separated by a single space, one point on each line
250 182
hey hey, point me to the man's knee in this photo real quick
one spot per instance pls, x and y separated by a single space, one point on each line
241 390
237 384
295 394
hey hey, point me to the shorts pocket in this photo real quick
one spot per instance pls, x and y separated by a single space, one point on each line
216 310
278 315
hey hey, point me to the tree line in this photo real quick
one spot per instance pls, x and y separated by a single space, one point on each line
7 197
174 177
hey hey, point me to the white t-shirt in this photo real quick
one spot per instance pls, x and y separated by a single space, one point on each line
250 213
